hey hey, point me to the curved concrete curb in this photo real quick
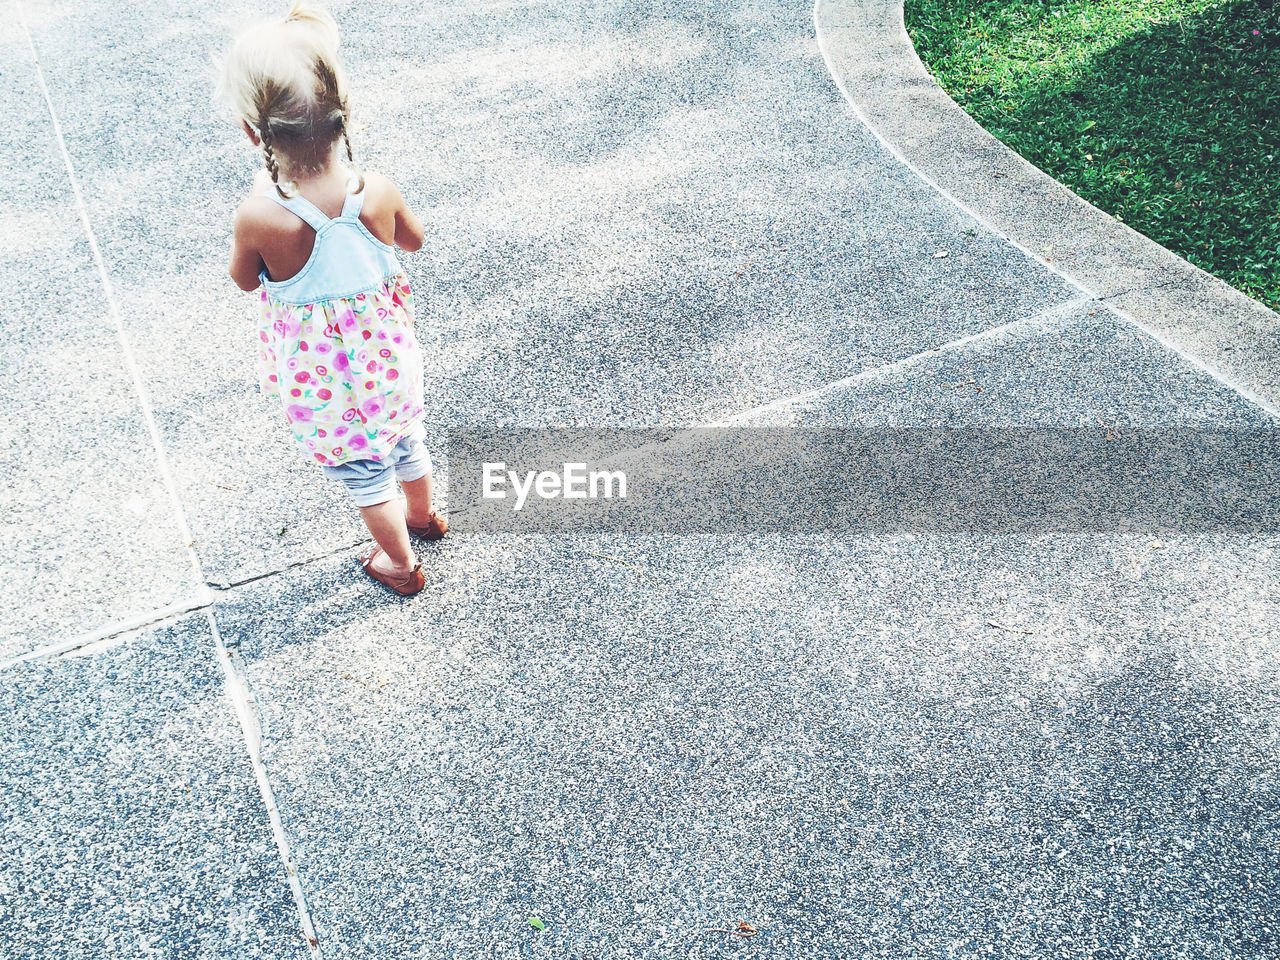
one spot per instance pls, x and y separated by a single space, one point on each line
875 65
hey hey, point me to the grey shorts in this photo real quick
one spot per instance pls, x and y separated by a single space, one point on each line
371 482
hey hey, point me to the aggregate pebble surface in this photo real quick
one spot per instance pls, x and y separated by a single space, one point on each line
887 747
1078 366
909 745
81 477
912 745
636 215
132 826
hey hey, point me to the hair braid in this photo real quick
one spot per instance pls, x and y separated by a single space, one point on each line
330 91
267 104
269 154
346 139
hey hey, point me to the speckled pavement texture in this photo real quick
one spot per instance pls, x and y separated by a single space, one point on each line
638 214
131 825
623 229
879 747
87 532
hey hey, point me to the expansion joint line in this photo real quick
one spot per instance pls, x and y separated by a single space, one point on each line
237 686
205 599
242 700
1046 316
113 310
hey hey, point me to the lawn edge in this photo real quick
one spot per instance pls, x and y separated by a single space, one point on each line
875 65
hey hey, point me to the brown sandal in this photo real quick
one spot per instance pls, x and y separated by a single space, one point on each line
435 528
405 586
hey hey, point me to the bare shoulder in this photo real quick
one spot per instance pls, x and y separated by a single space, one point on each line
251 220
258 212
381 192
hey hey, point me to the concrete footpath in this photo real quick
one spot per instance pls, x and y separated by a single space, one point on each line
222 740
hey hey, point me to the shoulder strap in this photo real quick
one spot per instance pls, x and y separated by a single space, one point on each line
352 204
302 207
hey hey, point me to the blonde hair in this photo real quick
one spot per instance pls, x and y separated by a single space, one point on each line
283 76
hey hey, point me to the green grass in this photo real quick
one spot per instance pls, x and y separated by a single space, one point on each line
1164 113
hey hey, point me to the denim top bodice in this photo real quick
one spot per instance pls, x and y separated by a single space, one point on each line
345 260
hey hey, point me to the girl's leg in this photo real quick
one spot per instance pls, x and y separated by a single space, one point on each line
417 495
387 524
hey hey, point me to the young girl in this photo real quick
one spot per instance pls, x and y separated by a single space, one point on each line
336 327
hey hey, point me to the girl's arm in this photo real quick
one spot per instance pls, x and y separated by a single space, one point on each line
410 233
246 262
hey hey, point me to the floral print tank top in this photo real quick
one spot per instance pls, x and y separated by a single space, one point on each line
336 341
